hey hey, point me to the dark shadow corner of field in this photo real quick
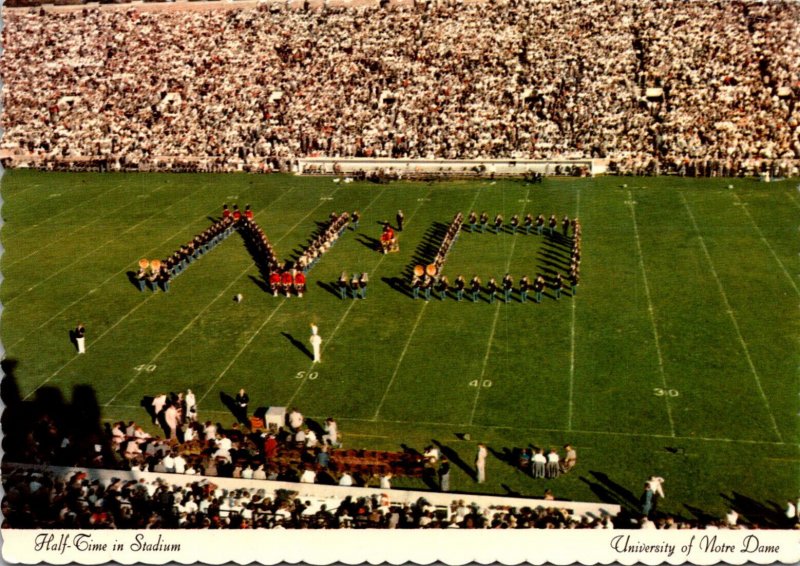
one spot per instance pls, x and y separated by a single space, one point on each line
48 428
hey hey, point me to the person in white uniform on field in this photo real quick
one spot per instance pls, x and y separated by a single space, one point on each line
316 343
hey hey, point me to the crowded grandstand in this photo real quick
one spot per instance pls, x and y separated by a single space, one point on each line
664 87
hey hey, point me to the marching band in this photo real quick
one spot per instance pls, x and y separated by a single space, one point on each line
291 279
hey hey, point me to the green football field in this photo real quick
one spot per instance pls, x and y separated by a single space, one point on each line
678 356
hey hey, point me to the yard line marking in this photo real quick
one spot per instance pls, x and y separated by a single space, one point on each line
109 329
399 362
127 204
494 328
793 198
572 336
81 205
239 353
208 306
413 329
535 429
766 243
25 190
182 331
735 323
29 289
651 312
123 270
343 317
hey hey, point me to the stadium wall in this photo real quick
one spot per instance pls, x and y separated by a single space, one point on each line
450 167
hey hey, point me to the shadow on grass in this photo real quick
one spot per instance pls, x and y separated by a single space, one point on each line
260 283
702 516
455 459
368 241
427 248
230 404
398 285
608 491
755 512
332 288
298 344
133 279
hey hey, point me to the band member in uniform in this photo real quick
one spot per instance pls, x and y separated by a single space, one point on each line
565 225
524 285
237 215
508 286
427 286
558 284
248 213
141 278
400 218
459 286
387 237
355 217
538 288
491 288
475 288
573 282
552 224
225 212
362 285
514 223
528 223
153 278
275 282
416 284
484 221
354 286
473 220
443 285
498 223
540 224
286 282
163 276
299 282
342 285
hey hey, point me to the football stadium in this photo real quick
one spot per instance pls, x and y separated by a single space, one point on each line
471 264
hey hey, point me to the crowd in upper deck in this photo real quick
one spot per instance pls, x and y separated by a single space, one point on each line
686 87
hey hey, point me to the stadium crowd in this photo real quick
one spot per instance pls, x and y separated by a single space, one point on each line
688 88
45 499
182 490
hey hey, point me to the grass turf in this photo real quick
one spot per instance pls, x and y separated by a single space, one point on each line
677 357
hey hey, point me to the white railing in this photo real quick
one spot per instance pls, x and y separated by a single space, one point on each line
447 167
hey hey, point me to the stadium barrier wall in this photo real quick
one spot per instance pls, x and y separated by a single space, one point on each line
448 167
326 494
